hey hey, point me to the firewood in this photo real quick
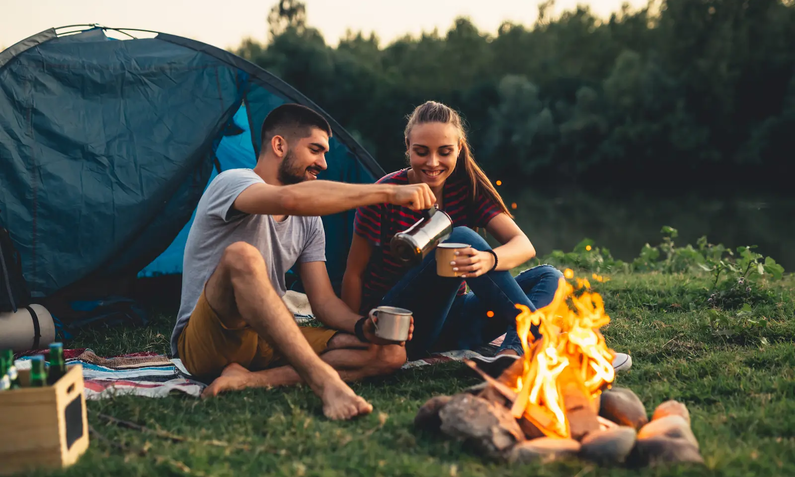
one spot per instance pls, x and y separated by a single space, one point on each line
516 370
572 390
492 395
531 429
509 393
512 373
582 421
579 411
537 419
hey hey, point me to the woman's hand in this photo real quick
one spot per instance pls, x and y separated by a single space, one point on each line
470 263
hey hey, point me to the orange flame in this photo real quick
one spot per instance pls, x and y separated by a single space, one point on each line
570 338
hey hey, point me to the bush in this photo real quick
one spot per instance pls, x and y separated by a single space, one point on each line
714 259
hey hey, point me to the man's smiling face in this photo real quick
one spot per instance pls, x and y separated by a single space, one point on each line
306 159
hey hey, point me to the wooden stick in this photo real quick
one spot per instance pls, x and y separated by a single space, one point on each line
543 419
509 393
577 402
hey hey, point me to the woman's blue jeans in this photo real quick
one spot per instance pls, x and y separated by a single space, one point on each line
444 321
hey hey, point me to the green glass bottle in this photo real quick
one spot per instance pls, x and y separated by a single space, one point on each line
8 368
13 376
57 364
5 381
38 375
4 361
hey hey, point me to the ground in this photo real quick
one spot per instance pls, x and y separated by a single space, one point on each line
737 377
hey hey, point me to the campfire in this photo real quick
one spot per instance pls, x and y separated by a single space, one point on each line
558 400
568 368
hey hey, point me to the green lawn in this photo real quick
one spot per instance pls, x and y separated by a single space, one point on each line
738 383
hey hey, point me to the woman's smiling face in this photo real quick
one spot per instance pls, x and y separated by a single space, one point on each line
433 152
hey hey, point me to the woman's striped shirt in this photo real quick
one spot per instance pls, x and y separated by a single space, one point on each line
379 223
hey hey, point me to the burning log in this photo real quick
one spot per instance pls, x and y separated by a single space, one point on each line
515 372
503 389
537 422
579 413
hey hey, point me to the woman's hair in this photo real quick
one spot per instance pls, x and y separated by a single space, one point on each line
479 183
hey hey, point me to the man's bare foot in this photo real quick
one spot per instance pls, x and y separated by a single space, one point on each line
341 403
232 378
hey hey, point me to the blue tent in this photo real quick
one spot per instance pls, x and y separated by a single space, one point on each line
106 147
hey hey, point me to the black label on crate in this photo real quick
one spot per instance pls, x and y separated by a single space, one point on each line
73 415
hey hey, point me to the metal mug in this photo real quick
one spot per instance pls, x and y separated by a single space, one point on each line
391 323
415 243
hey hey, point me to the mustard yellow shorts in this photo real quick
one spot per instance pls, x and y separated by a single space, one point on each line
206 346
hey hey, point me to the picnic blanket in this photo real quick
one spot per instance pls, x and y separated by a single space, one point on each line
155 375
141 374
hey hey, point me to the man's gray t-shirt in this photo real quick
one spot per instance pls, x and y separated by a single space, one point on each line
218 225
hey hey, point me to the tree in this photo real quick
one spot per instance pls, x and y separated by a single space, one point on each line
680 90
521 123
287 15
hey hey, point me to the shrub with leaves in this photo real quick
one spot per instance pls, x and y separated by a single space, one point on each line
586 256
748 265
712 258
666 257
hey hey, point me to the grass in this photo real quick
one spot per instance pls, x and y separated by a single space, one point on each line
738 380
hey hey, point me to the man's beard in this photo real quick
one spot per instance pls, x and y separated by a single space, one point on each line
289 171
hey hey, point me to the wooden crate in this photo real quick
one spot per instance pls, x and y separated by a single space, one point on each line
43 427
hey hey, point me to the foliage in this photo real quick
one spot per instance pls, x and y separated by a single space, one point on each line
287 15
585 256
717 260
679 91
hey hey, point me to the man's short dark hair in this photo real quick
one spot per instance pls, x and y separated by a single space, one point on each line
292 120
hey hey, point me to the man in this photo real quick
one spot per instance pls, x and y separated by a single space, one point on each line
251 226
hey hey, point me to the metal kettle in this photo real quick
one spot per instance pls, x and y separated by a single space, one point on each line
412 245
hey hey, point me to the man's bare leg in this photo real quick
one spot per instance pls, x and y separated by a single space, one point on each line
240 292
349 356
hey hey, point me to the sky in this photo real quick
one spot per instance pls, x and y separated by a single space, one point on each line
225 23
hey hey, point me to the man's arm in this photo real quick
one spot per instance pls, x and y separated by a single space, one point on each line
316 198
328 308
358 257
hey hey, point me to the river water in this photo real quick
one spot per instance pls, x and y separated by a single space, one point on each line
624 221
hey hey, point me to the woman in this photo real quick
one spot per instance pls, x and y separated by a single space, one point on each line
445 316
